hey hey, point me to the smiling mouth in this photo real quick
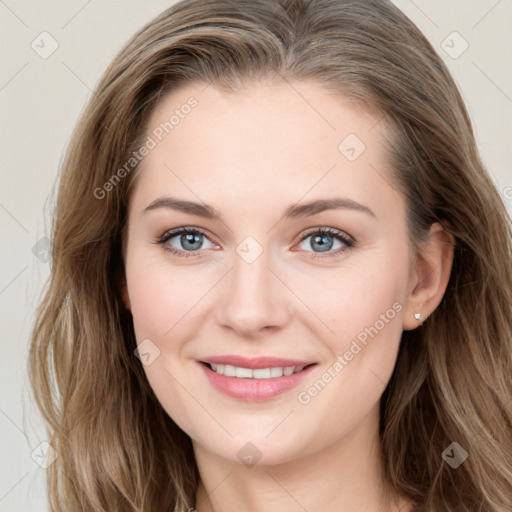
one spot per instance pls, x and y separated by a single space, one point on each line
260 373
256 379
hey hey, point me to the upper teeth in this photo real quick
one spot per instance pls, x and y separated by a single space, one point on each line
247 373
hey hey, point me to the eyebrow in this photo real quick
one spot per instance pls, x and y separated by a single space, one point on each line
292 212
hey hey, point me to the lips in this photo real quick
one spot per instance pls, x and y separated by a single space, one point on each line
256 379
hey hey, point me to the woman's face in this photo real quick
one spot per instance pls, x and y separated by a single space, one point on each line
252 283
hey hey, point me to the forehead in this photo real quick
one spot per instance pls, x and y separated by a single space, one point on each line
283 115
296 138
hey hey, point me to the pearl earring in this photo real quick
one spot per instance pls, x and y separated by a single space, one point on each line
418 317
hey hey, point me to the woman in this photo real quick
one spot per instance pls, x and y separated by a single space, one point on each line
207 355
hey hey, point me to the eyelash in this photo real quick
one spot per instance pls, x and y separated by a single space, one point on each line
346 240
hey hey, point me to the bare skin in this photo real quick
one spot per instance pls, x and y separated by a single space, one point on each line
251 155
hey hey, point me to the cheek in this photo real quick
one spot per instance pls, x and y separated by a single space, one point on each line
366 318
162 309
354 299
363 309
162 299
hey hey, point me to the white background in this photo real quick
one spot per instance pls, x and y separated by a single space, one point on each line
40 100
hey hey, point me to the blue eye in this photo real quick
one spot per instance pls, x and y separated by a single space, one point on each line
323 239
192 239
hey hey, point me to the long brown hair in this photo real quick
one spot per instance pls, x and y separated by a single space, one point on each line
118 449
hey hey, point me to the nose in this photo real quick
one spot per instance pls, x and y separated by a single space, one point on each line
254 299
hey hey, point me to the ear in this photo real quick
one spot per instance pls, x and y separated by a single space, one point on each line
123 288
429 276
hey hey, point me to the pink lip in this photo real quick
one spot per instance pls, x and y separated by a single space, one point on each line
256 362
255 390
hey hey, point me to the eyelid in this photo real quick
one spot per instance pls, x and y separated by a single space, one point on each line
336 233
348 242
172 233
341 236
